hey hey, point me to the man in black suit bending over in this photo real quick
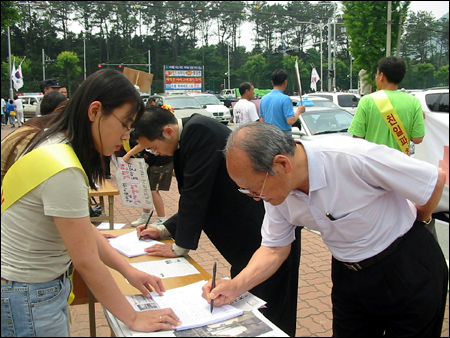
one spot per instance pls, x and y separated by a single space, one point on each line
210 201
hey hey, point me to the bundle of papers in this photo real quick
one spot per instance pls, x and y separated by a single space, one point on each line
240 318
130 245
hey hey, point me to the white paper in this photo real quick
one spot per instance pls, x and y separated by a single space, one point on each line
191 308
130 245
167 268
105 226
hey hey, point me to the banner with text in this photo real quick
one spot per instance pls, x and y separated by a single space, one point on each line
183 79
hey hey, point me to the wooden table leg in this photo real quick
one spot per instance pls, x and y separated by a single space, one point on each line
111 212
92 327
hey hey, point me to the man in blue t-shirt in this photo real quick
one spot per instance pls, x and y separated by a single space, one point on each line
276 107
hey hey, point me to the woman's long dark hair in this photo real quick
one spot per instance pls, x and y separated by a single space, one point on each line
113 90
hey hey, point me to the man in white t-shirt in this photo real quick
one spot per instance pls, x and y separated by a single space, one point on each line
19 110
244 110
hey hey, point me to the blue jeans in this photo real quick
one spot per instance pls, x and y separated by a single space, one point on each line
35 309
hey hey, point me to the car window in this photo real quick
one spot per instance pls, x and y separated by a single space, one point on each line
33 101
347 100
329 97
183 102
206 99
443 103
25 101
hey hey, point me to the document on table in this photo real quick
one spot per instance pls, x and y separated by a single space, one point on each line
192 309
130 245
250 324
167 268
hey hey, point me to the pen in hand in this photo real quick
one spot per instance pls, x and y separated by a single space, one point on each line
213 284
146 224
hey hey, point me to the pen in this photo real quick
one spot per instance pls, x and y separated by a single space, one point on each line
330 216
146 224
213 284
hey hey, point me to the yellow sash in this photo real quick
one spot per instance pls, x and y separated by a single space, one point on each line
36 166
51 159
392 120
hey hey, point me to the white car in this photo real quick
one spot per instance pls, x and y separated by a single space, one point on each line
347 101
316 121
434 147
316 101
30 103
217 108
183 105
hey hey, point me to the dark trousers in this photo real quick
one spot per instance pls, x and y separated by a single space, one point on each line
280 291
404 294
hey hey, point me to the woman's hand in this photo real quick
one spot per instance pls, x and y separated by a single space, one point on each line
154 320
144 282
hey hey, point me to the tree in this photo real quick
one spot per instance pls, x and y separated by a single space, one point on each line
254 69
366 29
442 76
423 73
10 15
67 62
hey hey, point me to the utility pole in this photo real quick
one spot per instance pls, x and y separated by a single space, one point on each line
397 52
228 67
329 54
388 35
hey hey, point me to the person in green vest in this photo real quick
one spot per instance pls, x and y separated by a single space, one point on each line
45 224
389 116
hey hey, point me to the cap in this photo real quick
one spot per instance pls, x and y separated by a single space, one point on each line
51 83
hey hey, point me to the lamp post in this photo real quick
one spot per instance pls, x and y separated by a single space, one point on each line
11 93
228 67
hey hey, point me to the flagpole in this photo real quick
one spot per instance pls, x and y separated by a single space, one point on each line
298 79
11 92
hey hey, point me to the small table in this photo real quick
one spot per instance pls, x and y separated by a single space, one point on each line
106 189
83 295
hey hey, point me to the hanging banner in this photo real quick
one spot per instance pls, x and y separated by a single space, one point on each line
183 79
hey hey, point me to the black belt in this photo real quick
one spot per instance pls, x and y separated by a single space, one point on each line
375 259
66 274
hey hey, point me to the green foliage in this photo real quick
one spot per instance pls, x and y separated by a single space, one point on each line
10 15
442 76
67 63
200 33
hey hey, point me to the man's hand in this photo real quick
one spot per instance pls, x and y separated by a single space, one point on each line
150 233
164 250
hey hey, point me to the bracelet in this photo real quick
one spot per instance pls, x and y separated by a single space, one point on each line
425 222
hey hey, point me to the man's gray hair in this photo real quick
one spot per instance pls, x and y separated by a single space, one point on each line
262 142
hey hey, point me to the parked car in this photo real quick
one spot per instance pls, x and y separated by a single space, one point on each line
30 103
228 102
316 101
214 106
317 121
434 147
183 105
433 100
347 101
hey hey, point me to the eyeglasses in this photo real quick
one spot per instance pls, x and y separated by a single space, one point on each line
128 129
249 194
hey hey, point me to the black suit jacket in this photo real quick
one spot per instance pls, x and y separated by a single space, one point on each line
210 201
209 198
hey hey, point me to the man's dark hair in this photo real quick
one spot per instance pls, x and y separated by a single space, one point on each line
244 86
393 68
278 77
152 122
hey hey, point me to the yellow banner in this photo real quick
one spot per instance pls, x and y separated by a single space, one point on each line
392 120
24 175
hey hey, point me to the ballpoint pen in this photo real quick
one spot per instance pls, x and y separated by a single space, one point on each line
146 224
213 284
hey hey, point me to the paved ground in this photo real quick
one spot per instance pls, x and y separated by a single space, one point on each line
314 305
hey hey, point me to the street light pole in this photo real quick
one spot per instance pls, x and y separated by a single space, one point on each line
84 53
43 65
11 92
229 67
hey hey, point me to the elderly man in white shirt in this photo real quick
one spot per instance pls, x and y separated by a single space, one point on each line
370 203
